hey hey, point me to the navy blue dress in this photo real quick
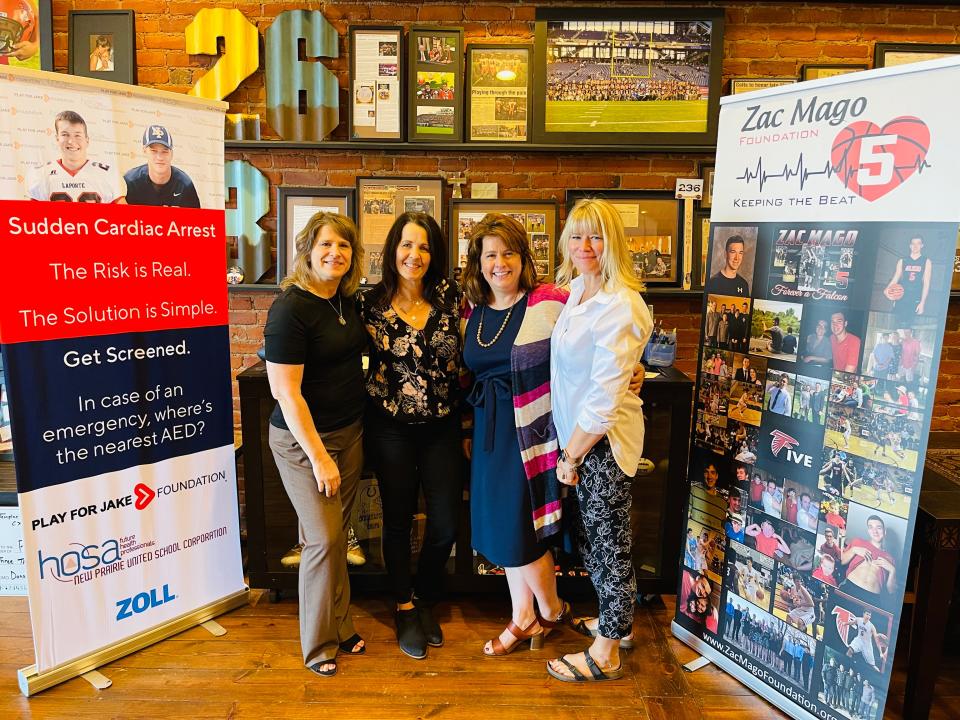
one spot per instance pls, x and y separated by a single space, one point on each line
500 507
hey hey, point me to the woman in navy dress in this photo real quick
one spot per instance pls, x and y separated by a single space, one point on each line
514 494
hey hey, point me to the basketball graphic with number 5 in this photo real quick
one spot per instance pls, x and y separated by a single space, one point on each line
872 160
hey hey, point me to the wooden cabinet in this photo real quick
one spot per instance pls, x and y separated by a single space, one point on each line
656 515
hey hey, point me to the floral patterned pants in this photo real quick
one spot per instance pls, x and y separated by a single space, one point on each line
605 538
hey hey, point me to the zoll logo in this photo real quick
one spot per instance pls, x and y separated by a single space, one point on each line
782 441
145 496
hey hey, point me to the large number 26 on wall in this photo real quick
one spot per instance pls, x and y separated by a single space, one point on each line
241 56
289 80
253 202
303 100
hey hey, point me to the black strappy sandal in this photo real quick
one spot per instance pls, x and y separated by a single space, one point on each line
349 645
596 674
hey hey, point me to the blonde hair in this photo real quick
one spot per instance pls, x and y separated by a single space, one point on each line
301 274
598 217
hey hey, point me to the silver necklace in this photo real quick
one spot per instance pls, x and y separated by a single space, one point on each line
340 311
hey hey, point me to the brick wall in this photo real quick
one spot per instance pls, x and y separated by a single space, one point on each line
765 40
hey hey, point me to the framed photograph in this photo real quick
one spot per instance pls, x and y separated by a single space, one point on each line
102 45
540 218
380 200
815 72
706 172
652 221
295 207
740 85
377 64
893 54
435 84
26 36
500 87
648 77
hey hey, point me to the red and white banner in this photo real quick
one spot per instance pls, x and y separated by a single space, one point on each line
116 356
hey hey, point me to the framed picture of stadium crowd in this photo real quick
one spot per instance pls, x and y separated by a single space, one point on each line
498 100
648 77
652 220
538 217
435 85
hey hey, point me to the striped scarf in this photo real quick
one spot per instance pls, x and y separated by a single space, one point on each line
530 378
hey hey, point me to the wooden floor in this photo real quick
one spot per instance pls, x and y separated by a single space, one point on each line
255 672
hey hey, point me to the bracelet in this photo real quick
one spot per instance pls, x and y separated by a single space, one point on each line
572 462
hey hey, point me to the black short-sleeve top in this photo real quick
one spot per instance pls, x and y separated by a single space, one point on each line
304 329
414 374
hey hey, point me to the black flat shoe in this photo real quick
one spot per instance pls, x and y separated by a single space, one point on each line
410 634
431 628
324 673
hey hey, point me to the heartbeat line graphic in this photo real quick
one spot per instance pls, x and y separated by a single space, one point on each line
800 170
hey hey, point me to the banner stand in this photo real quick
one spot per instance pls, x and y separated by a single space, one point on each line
737 672
31 682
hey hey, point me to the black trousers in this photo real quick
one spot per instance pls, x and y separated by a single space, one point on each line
408 458
605 538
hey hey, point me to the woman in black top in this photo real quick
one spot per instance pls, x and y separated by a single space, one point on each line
314 341
412 424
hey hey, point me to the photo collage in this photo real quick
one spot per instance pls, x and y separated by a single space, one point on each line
436 68
817 373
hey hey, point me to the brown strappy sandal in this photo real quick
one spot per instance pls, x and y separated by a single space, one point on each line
535 638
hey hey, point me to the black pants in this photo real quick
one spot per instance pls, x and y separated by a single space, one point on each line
407 458
606 544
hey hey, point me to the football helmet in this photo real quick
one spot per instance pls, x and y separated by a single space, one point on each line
18 21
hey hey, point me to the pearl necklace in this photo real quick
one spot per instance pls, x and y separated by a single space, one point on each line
503 326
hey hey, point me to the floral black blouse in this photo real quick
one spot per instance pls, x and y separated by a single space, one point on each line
414 374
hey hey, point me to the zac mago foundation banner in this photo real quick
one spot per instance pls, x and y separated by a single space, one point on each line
833 230
115 347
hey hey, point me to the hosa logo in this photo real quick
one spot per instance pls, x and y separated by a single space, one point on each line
782 441
141 602
83 557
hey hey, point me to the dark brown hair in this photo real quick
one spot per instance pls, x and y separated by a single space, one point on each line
514 236
384 291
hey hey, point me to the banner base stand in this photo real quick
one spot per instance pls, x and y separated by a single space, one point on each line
214 628
695 665
97 679
31 682
742 674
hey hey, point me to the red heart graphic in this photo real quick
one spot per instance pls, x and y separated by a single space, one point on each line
144 495
860 161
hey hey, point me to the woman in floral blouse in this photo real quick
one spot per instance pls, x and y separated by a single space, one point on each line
412 431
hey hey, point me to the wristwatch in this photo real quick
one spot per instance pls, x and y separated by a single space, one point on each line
573 462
